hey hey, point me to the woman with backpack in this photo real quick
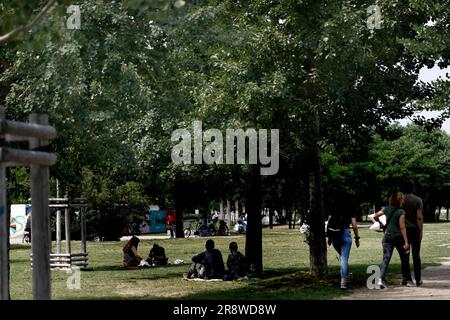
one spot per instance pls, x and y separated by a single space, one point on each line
157 256
394 237
339 235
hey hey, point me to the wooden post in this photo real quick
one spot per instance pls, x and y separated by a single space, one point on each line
4 227
40 226
67 227
58 222
83 230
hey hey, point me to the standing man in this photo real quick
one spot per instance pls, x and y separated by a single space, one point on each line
413 207
170 222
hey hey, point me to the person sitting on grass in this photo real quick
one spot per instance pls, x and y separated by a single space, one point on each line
157 256
207 265
131 258
236 263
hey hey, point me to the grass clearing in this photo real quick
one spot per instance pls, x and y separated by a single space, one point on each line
286 262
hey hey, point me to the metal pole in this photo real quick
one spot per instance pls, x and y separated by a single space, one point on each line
58 222
40 226
67 227
4 228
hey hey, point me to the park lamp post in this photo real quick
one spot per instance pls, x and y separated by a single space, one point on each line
37 133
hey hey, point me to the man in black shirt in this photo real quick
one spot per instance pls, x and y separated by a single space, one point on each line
208 264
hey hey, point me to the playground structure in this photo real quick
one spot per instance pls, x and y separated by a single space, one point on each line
37 133
68 260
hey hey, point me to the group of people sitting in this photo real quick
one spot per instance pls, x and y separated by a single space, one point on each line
209 264
206 265
131 258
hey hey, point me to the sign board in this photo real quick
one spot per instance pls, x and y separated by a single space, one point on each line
19 217
156 221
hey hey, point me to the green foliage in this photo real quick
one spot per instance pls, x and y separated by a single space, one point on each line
419 155
112 206
18 185
138 69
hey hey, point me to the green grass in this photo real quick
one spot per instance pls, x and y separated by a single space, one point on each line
286 262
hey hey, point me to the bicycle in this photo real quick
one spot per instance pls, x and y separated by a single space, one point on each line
189 230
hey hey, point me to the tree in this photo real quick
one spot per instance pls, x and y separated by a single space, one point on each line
313 69
23 28
419 155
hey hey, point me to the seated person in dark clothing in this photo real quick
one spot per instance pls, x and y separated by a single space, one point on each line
131 258
157 256
208 264
236 263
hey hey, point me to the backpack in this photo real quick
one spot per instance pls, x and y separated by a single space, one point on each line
157 256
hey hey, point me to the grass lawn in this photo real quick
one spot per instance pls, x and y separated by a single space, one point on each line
286 262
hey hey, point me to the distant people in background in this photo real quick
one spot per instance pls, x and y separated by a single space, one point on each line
338 234
208 264
28 226
236 262
413 207
171 222
131 257
395 236
157 256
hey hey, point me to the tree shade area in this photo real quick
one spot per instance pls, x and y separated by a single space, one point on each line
117 78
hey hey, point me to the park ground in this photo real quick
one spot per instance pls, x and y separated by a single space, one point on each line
286 261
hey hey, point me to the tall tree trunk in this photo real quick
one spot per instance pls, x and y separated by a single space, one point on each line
295 218
270 218
179 221
317 245
253 240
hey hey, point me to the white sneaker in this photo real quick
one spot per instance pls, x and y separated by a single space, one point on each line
381 284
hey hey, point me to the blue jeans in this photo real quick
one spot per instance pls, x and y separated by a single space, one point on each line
345 245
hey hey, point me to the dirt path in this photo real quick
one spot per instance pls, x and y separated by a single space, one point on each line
436 286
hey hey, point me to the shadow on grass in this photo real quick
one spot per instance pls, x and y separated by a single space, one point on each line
20 247
277 284
119 268
284 284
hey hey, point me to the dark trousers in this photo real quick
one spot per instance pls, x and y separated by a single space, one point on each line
414 243
389 243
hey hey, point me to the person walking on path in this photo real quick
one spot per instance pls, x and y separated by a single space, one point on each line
413 207
339 235
394 237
